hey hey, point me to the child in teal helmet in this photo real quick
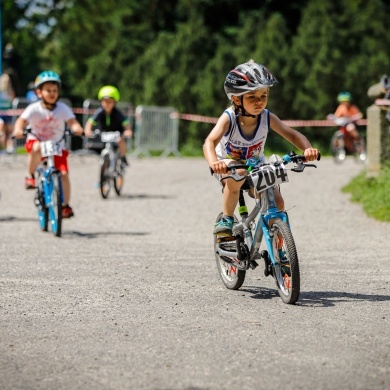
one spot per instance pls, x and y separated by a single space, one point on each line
346 109
109 118
47 118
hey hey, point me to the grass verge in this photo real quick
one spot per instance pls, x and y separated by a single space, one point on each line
372 194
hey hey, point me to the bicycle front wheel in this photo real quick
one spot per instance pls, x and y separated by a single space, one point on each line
118 178
105 180
43 212
232 277
337 147
55 203
286 270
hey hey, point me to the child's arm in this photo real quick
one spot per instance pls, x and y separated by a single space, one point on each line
19 127
75 126
294 137
211 143
128 131
88 128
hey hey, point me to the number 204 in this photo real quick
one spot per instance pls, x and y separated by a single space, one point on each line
271 177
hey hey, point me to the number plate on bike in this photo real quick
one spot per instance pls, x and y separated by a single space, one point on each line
268 176
51 148
111 136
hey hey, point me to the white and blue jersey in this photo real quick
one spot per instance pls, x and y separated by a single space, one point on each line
236 146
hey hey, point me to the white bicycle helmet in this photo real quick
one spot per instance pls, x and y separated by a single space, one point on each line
248 77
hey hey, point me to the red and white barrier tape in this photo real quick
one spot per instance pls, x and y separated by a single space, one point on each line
208 119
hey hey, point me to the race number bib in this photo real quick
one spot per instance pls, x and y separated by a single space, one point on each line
268 176
110 136
50 148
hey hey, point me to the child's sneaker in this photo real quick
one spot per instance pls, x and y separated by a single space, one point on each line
124 161
67 212
224 226
29 183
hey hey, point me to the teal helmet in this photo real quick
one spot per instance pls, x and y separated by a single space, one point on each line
344 97
108 91
47 76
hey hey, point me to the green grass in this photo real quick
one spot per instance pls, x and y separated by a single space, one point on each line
372 194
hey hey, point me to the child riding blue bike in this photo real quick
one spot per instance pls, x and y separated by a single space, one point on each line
47 118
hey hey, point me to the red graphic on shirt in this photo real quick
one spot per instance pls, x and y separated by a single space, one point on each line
255 150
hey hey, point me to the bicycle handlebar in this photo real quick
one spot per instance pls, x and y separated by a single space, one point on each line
298 159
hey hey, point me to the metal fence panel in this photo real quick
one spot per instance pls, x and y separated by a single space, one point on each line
156 130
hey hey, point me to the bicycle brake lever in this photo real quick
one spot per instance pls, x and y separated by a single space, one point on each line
235 176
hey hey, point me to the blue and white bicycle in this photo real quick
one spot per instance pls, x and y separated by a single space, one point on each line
236 254
49 196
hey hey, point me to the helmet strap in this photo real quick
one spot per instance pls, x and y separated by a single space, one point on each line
240 110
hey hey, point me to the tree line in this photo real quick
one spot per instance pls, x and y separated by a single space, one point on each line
177 53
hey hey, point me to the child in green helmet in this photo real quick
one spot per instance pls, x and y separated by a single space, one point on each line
109 118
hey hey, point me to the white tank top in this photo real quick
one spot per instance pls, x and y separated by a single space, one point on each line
234 145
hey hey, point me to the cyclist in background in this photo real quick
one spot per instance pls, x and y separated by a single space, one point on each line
241 132
109 118
47 118
346 109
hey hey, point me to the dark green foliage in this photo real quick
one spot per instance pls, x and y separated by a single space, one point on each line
177 53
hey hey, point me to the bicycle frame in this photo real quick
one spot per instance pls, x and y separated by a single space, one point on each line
50 195
264 210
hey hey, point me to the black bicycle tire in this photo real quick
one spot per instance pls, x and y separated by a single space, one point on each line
288 293
225 269
104 177
57 195
42 208
118 178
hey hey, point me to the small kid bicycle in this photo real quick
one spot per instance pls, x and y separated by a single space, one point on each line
49 196
342 144
239 253
112 169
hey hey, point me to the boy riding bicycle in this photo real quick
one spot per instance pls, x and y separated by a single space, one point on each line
109 118
47 118
241 132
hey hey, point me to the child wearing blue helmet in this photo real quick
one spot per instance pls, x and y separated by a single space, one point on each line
47 118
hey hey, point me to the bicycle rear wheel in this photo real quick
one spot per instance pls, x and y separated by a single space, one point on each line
55 203
232 277
118 178
286 272
105 180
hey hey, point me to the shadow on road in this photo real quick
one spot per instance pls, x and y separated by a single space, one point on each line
11 218
317 298
142 196
74 233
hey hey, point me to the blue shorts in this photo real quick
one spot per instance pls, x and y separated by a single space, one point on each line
7 119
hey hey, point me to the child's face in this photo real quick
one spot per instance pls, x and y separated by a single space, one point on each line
254 102
108 104
49 92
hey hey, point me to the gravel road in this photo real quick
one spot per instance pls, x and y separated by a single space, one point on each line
129 297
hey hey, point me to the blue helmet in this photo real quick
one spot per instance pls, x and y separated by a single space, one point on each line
46 76
344 97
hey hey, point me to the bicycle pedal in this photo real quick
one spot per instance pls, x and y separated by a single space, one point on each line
253 264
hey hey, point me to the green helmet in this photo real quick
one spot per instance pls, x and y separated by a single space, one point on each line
108 91
344 97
